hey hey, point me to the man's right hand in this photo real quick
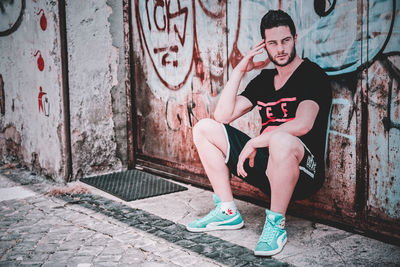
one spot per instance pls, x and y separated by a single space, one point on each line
247 63
230 106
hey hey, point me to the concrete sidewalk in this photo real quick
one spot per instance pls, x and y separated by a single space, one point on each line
97 229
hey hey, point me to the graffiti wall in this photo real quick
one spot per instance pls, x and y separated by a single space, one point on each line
31 116
185 51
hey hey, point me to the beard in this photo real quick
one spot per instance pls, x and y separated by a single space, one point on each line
292 55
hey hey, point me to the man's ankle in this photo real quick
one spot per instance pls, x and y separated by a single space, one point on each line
228 208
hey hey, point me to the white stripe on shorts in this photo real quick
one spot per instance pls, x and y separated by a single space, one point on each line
228 144
301 168
306 171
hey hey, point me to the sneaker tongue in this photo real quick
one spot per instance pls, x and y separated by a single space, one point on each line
216 199
271 217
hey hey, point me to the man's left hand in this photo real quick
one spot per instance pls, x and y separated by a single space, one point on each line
248 152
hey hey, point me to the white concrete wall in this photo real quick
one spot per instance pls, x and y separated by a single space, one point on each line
95 40
32 125
93 73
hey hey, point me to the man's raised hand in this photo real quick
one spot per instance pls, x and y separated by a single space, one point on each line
247 63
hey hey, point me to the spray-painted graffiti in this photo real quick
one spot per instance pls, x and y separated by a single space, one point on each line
40 99
329 33
43 20
40 60
43 100
391 103
12 12
174 36
334 40
166 37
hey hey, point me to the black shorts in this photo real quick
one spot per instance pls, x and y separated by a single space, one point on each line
311 175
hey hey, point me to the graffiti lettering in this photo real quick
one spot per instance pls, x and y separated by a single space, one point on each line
177 114
210 13
172 125
167 16
164 39
159 3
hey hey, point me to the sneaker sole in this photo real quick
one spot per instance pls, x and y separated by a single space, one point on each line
216 227
271 252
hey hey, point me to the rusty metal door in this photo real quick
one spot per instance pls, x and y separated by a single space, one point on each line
383 202
182 49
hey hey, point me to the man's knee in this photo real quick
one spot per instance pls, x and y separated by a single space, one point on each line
284 145
204 128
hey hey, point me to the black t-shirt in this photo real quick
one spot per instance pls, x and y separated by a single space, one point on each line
308 82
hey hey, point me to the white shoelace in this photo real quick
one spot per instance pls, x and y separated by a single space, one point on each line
268 233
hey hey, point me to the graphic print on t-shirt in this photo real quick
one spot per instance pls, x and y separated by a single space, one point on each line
275 113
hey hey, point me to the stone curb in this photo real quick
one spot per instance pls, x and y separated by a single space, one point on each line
206 245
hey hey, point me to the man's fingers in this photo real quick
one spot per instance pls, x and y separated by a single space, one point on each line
251 162
240 171
260 43
259 47
258 52
255 52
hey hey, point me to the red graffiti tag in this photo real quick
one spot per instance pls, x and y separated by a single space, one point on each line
162 27
40 61
43 20
214 15
160 22
41 94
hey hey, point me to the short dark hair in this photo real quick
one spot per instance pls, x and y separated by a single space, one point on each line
276 18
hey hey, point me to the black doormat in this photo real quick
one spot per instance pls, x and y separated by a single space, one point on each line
133 184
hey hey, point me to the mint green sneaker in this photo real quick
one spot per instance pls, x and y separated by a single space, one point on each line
273 237
216 220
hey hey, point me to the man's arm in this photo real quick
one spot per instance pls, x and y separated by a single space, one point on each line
303 122
306 114
230 106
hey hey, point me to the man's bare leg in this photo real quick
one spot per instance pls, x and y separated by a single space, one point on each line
285 154
210 140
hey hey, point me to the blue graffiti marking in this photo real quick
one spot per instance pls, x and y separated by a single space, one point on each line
346 36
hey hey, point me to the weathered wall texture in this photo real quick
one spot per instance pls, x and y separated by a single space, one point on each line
97 93
187 49
31 116
31 122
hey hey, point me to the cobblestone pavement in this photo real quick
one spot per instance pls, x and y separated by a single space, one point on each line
89 230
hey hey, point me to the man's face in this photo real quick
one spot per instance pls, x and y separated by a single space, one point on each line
280 45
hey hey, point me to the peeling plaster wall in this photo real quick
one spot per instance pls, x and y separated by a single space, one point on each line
95 38
31 122
118 91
